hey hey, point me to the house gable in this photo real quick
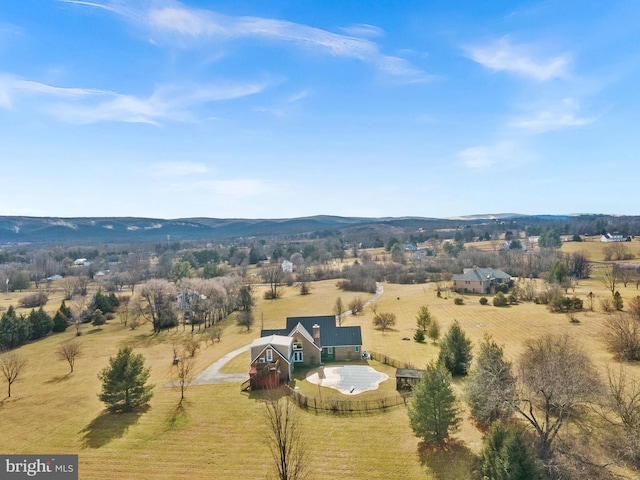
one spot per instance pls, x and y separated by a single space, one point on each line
281 345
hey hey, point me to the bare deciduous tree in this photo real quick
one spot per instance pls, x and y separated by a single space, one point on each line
11 365
184 362
610 278
214 333
338 308
356 305
384 320
622 336
621 409
272 275
245 319
69 351
556 374
77 311
156 299
285 437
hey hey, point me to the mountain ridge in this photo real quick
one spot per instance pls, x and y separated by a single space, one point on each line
51 230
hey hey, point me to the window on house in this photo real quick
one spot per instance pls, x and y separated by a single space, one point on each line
297 345
269 355
298 357
357 348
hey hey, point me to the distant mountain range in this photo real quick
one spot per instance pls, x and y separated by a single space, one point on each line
53 230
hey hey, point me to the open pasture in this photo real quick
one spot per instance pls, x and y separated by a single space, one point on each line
219 432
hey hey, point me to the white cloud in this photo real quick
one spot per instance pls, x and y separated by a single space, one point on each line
174 19
501 55
363 30
554 117
487 156
80 105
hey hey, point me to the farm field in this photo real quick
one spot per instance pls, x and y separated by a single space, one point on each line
220 432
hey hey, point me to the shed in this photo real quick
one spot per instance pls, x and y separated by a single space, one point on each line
406 378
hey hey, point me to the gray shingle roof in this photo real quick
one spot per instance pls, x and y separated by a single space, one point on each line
481 274
331 335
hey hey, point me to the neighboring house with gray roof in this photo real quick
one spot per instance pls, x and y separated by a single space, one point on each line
318 339
480 280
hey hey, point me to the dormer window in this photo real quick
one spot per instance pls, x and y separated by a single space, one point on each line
297 345
269 355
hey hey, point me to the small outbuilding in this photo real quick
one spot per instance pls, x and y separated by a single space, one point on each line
406 378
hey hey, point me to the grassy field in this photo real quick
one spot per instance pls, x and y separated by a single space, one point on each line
219 432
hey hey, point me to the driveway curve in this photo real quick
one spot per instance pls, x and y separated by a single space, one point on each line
212 374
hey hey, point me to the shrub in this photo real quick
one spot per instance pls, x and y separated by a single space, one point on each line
419 336
606 304
513 298
484 301
560 303
38 299
499 300
458 301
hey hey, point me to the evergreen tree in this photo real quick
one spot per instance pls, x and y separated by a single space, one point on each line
104 303
14 329
60 322
124 382
433 411
97 318
424 318
455 351
41 323
491 387
506 455
66 311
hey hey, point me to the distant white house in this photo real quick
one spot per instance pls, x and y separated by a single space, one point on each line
613 237
287 266
80 261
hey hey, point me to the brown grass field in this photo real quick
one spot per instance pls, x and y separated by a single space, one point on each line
219 432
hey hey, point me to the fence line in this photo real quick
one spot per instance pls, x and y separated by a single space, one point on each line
305 401
387 360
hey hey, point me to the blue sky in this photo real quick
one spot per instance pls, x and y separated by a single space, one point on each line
273 109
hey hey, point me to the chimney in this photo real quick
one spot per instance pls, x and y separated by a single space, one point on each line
316 334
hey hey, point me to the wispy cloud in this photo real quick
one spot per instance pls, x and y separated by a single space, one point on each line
171 19
560 115
80 105
487 156
522 59
363 30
